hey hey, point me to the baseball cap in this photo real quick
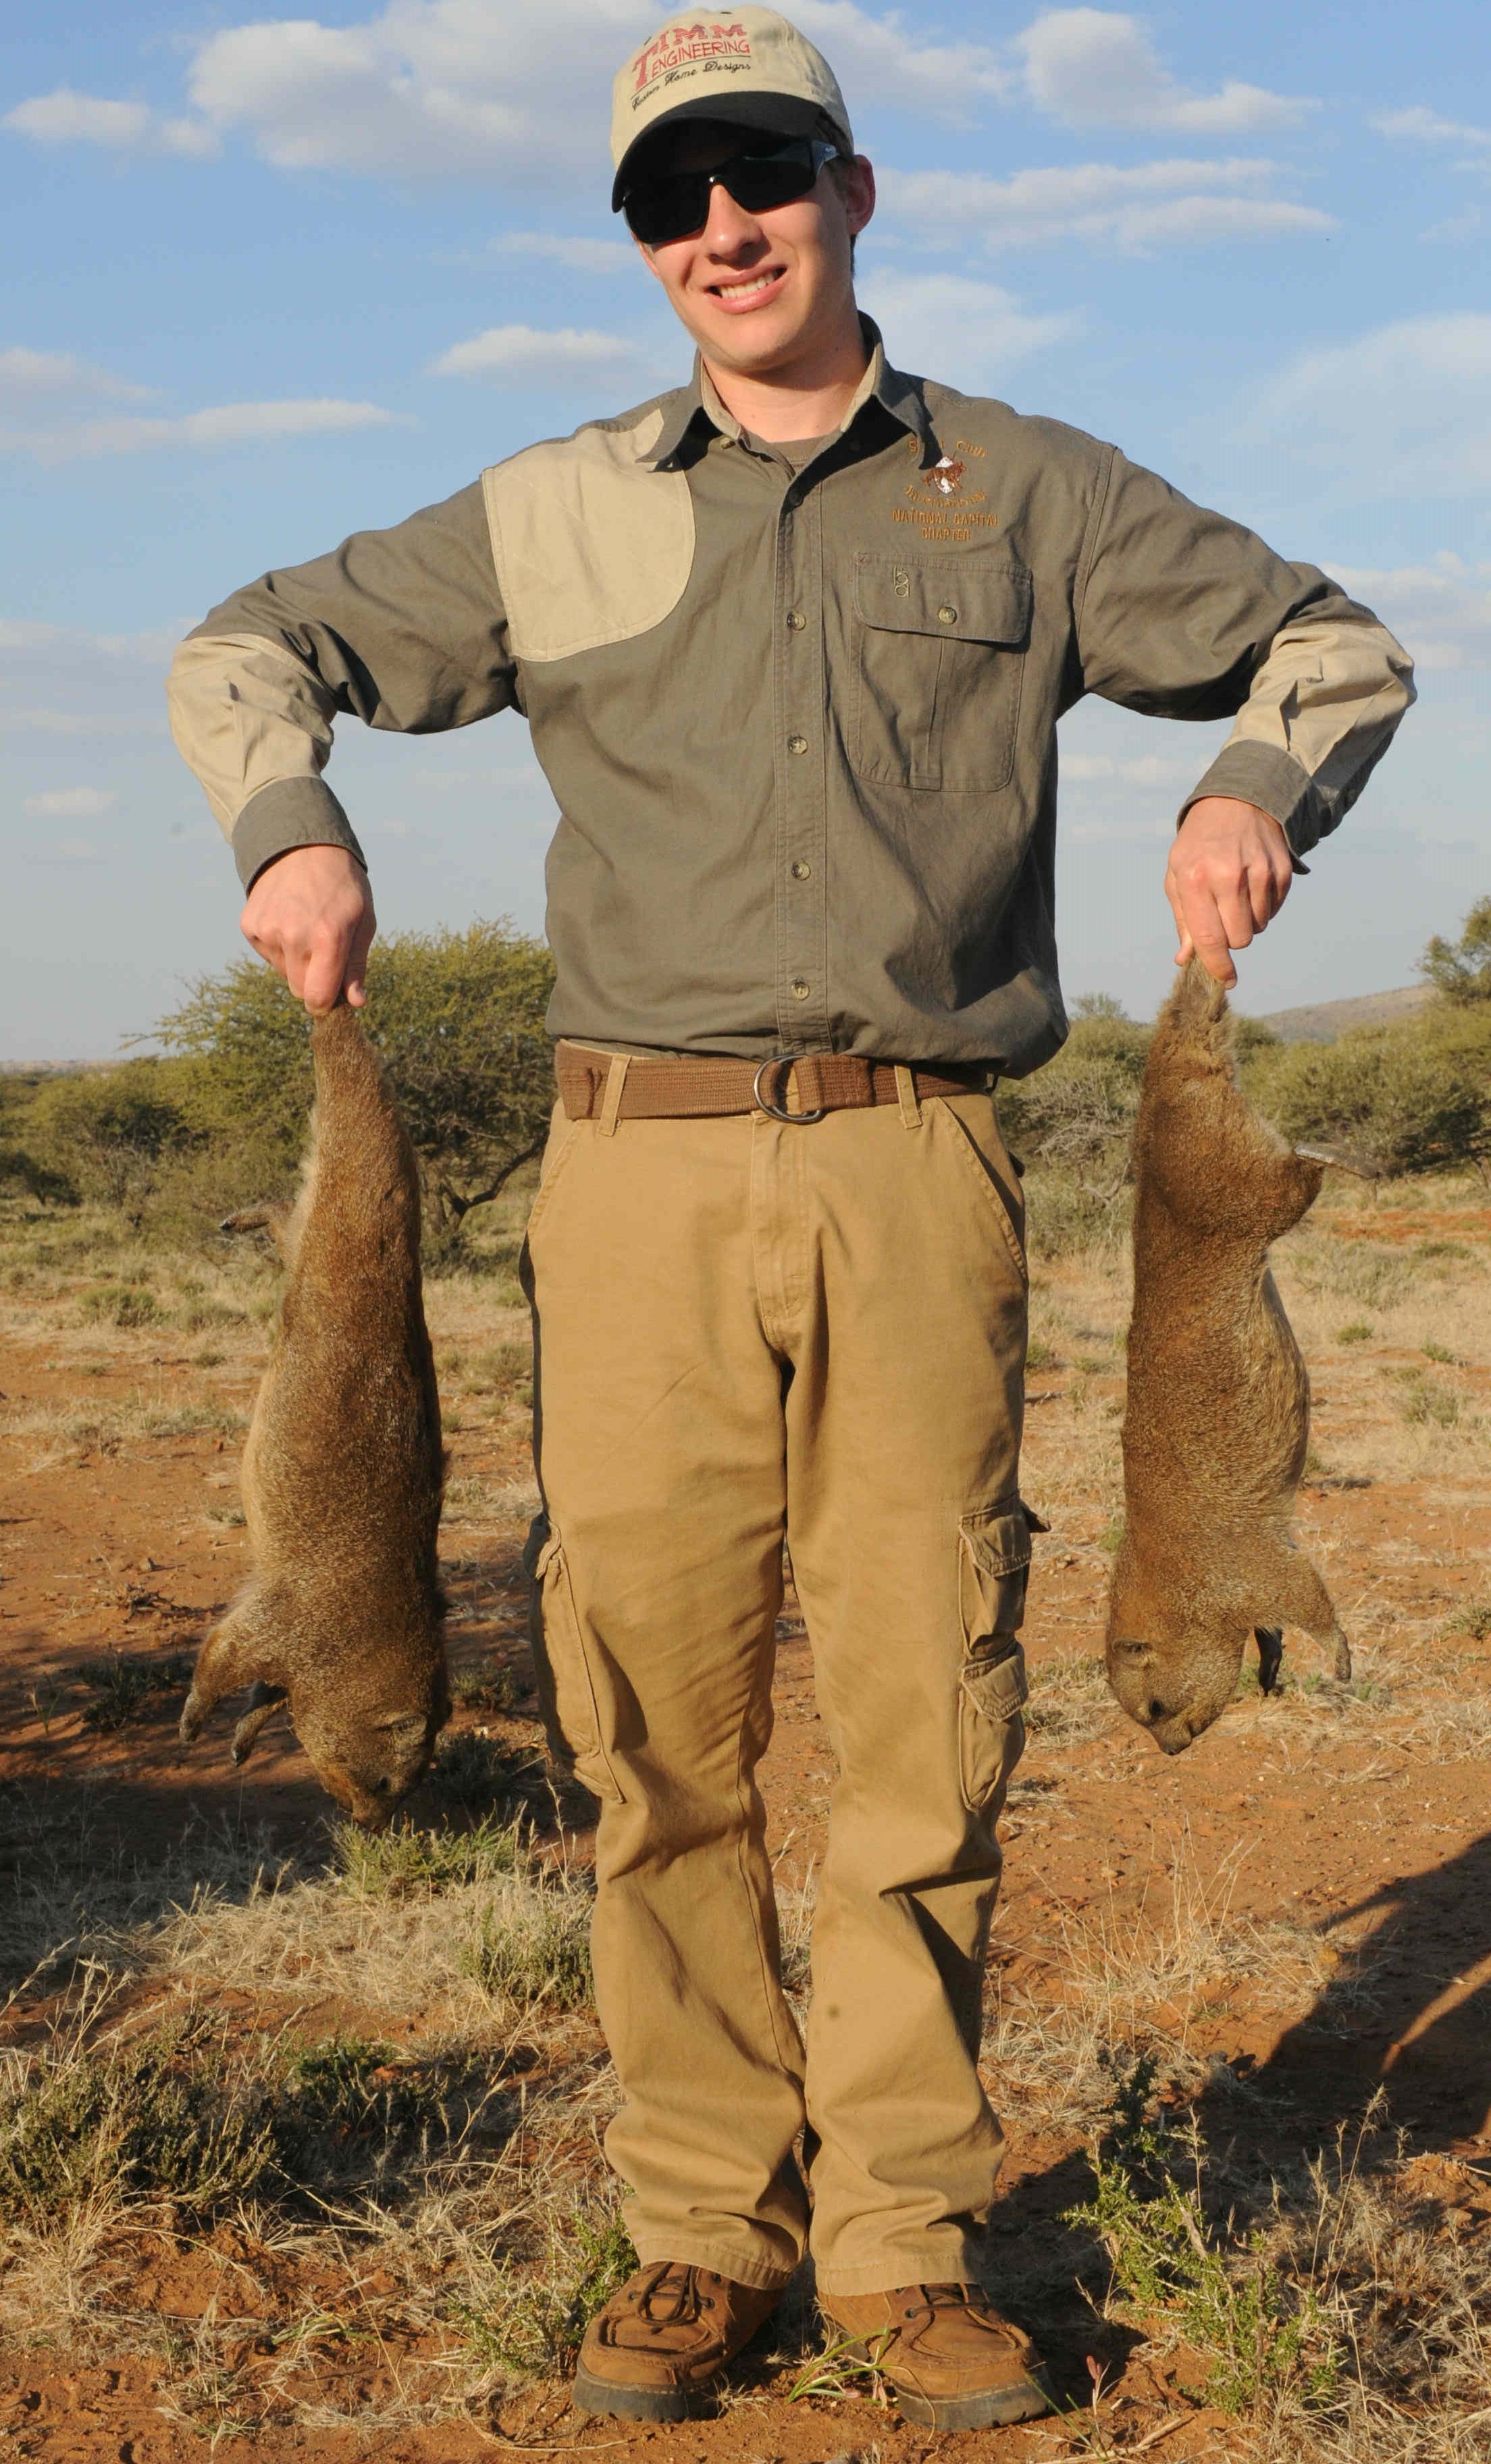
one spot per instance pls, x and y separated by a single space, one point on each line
744 65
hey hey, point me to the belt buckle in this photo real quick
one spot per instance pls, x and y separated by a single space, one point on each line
777 1111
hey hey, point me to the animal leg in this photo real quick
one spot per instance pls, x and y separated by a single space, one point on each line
273 1217
235 1654
1304 1600
1270 1651
264 1700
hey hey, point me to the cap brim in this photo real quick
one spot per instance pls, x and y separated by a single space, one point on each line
777 115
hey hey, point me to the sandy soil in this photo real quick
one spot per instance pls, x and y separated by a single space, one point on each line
1342 1834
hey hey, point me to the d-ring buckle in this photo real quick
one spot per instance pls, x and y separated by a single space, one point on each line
777 1111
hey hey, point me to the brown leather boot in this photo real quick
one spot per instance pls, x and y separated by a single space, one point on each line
954 2362
665 2341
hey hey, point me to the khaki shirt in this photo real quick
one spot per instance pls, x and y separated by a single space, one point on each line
800 725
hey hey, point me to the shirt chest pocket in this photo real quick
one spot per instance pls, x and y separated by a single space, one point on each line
938 669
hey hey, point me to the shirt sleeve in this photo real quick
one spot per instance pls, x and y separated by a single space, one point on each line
405 627
1187 615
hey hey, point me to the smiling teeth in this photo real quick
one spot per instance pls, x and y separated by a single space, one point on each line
739 290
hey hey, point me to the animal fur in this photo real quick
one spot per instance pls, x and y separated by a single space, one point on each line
1218 1418
341 1618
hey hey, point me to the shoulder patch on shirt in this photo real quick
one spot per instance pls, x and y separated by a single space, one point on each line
591 544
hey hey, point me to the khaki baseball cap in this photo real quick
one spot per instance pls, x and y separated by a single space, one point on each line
746 65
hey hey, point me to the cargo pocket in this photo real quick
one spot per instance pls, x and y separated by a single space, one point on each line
993 1570
566 1688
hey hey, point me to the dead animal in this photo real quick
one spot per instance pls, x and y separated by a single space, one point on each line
1217 1424
341 1618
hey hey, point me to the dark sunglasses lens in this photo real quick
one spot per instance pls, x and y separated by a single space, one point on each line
760 181
667 209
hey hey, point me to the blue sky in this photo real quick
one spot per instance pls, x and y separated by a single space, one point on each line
272 279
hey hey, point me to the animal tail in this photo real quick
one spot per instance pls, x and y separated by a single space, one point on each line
361 1163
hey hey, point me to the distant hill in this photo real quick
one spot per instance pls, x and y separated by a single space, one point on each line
1322 1022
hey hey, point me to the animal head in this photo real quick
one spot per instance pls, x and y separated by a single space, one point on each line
1173 1668
369 1761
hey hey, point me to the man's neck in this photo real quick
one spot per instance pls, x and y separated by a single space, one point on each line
809 398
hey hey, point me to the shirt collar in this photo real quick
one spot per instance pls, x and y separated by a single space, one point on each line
697 405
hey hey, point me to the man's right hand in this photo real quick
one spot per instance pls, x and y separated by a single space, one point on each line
310 914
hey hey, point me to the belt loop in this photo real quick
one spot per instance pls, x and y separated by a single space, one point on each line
910 1100
611 1103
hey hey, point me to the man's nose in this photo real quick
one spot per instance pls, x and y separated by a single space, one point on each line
730 227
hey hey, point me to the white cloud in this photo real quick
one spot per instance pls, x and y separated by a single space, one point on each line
1402 411
1132 207
955 329
1441 610
25 373
451 88
580 255
1429 129
443 88
71 803
234 423
1098 68
528 355
65 118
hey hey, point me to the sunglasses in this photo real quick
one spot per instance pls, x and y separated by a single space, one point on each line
661 211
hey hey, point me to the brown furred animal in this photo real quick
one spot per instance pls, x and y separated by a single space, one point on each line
1217 1424
342 1468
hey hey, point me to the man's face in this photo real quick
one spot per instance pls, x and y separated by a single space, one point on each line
755 291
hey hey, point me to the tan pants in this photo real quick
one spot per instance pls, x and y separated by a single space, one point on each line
745 1330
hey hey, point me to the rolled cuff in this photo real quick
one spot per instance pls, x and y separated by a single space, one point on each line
289 813
1277 784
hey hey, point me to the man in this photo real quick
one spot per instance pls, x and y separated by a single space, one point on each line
792 641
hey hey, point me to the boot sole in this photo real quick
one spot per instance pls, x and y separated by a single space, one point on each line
610 2400
992 2409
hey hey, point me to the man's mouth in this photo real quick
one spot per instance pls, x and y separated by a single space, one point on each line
745 290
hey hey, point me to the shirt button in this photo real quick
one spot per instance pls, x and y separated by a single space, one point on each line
946 615
799 989
796 743
801 870
796 620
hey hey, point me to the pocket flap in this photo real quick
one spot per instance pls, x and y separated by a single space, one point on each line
960 599
998 1687
999 1542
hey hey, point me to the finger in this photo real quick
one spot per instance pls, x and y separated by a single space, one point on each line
357 958
1177 909
1234 909
325 969
1210 937
1265 892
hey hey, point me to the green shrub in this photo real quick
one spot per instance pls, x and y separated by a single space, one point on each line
543 2308
1460 971
536 1952
126 1304
1414 1097
404 1862
459 1021
1260 2337
106 1132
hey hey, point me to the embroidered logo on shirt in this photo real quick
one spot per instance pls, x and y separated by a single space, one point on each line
946 476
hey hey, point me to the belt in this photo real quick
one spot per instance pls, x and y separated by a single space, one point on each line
789 1089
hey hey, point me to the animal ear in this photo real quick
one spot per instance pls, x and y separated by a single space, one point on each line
405 1727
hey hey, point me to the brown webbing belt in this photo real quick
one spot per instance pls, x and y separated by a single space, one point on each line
800 1089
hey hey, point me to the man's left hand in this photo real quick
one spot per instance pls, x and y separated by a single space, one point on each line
1228 876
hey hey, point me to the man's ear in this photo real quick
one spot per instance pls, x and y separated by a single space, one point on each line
646 256
858 191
